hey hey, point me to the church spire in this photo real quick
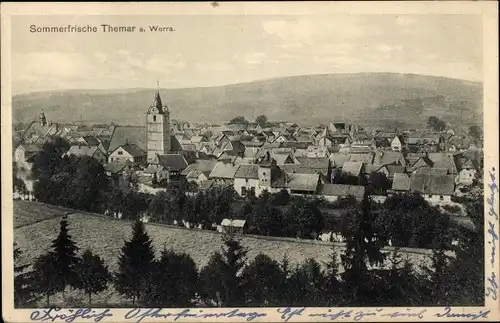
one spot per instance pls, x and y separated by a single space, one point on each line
157 101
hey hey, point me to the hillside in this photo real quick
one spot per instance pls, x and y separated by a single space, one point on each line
36 225
364 97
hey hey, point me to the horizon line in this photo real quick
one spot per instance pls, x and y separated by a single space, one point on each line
241 83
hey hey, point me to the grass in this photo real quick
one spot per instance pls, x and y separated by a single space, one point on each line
105 236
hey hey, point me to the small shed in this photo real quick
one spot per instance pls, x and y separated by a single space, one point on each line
233 226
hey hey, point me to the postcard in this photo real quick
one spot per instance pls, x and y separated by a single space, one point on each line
250 162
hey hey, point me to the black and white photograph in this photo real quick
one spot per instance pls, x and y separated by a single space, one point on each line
230 162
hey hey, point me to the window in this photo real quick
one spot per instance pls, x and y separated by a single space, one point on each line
154 118
252 191
243 191
430 195
441 197
264 174
120 153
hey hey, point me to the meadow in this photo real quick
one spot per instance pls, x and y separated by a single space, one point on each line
37 224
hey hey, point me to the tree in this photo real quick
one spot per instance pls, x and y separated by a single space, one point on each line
233 256
379 183
332 282
134 264
307 282
266 220
65 259
212 288
362 246
435 124
262 280
46 278
93 275
239 120
261 120
176 281
305 218
24 293
410 221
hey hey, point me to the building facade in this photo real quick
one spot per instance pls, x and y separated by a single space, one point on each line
158 129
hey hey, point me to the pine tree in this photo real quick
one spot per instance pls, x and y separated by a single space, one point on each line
233 255
135 264
24 292
93 275
362 247
212 289
332 285
262 279
46 278
66 260
176 281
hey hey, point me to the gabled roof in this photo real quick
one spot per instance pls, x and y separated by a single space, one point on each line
341 190
128 134
444 160
247 171
366 158
82 150
132 149
432 184
173 162
116 167
223 170
201 165
352 168
152 169
302 182
401 182
338 159
384 157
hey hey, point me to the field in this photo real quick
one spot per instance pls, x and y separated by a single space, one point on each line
36 225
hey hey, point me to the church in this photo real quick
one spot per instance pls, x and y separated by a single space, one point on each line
158 140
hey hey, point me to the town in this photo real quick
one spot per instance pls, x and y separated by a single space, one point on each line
331 161
417 191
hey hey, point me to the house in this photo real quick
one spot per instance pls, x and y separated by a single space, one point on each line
334 192
301 184
401 183
91 151
285 138
173 163
223 173
468 170
118 168
385 157
251 179
390 170
317 151
434 188
122 135
443 160
397 143
199 171
130 152
233 226
24 155
352 168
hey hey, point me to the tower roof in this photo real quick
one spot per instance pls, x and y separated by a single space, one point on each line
157 103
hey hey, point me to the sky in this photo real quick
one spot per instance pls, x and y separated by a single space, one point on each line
217 50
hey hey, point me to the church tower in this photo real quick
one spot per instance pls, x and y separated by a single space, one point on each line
157 128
